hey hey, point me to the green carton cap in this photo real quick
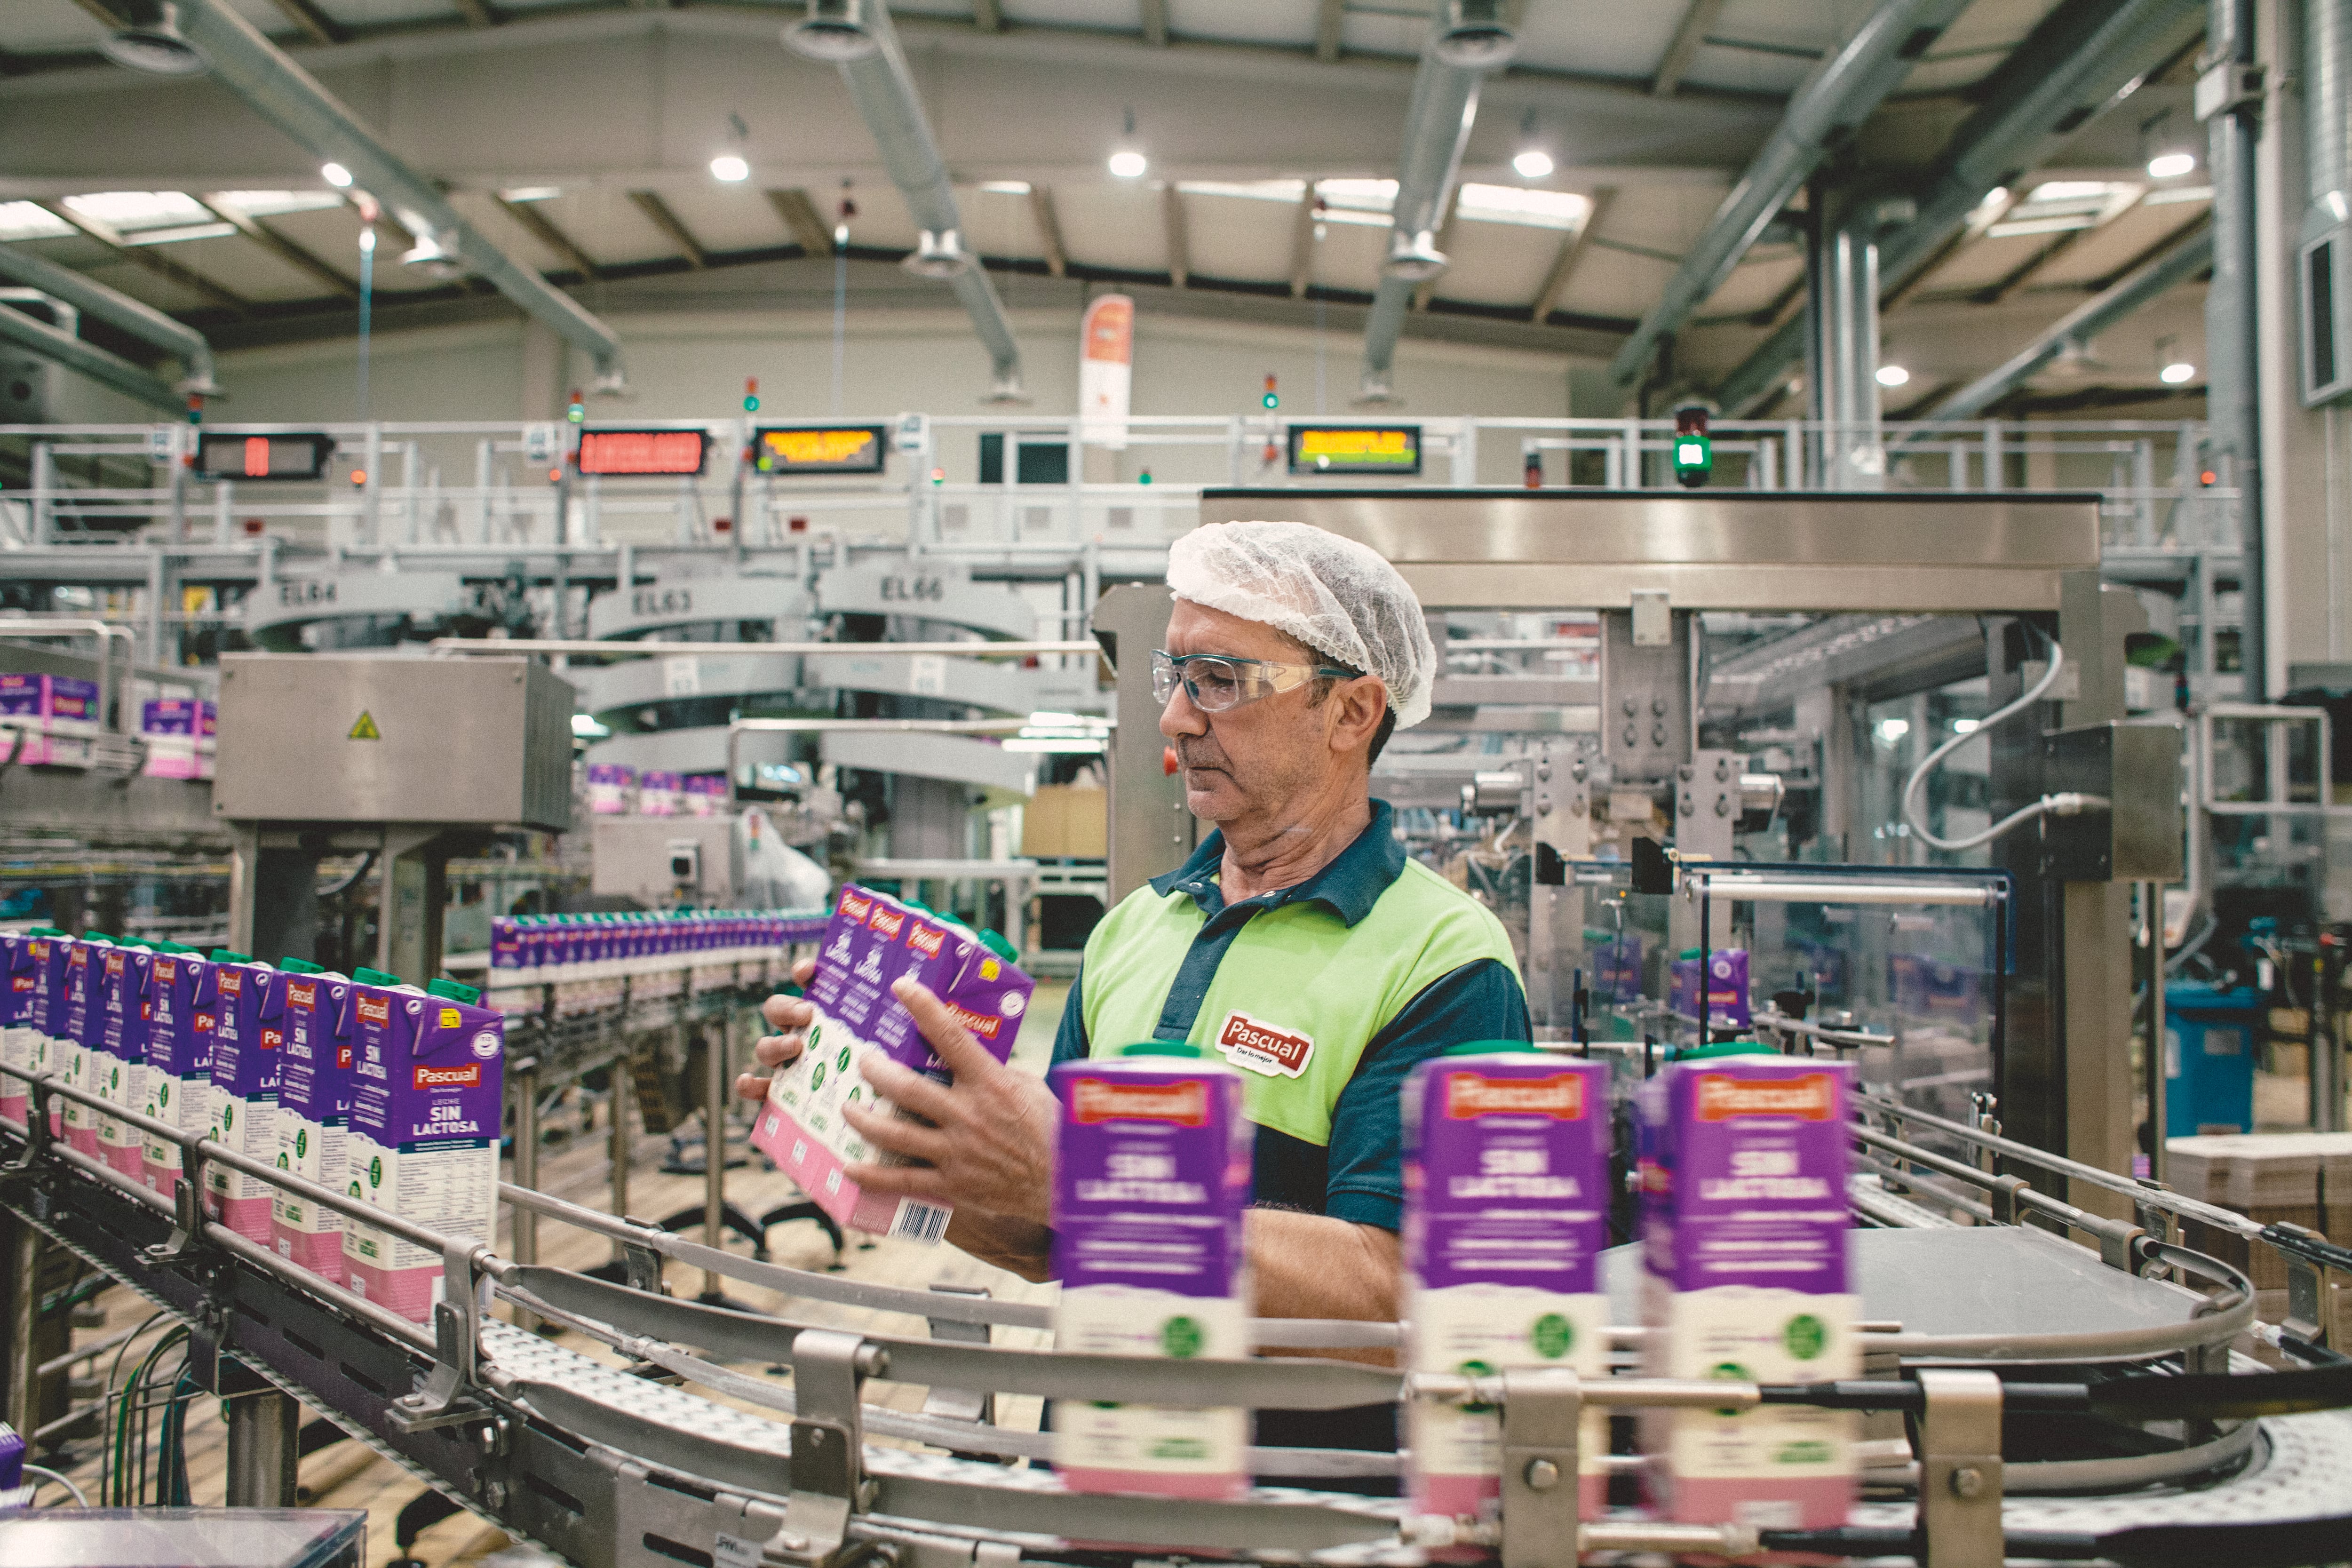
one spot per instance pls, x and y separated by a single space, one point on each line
230 955
1488 1047
1160 1048
454 991
302 966
96 936
995 943
1724 1048
178 948
376 977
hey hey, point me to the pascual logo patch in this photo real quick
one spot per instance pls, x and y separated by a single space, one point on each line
927 939
301 995
1264 1048
1099 1100
467 1076
889 922
980 1024
1469 1095
1812 1098
855 907
373 1009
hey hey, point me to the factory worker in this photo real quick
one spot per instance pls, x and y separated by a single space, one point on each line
1299 942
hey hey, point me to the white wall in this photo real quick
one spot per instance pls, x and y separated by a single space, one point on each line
690 366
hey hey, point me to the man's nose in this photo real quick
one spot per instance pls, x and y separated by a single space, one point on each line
1180 717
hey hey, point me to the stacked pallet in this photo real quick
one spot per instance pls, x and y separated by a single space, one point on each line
2291 1178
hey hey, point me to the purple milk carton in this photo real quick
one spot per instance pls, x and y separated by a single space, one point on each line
314 1110
1744 1223
427 1102
611 788
85 1034
23 1046
1506 1213
51 948
46 717
658 794
1616 960
178 737
121 1067
1151 1183
705 794
183 1001
1726 986
248 1049
871 942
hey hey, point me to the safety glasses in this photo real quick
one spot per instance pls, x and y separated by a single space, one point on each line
1218 682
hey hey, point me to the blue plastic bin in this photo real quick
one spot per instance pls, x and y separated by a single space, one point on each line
2209 1039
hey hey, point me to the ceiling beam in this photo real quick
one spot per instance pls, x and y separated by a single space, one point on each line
2009 283
295 256
801 219
658 212
478 13
310 21
2101 285
146 255
1328 15
1155 23
1179 243
1563 265
988 16
543 228
1049 229
1697 22
1302 242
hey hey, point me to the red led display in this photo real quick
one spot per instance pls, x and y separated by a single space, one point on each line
640 452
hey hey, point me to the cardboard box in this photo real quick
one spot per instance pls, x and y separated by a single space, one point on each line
1066 822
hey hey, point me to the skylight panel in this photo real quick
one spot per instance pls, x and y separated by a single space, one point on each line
1519 204
26 220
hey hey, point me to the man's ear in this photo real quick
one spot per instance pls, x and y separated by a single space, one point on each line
1357 706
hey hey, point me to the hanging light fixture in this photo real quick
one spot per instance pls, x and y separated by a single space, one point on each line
834 31
1127 159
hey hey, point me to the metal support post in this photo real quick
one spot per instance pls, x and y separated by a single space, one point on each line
525 1080
2151 909
1543 1412
262 1429
623 1143
714 1147
19 1353
1959 1468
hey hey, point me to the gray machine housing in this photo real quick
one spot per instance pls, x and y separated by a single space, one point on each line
358 738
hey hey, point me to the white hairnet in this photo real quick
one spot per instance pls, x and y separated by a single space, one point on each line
1338 597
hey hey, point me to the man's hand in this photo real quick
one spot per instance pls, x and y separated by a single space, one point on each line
990 1141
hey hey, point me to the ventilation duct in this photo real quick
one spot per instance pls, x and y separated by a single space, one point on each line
136 317
109 370
856 37
1840 94
291 100
154 43
1466 39
2054 81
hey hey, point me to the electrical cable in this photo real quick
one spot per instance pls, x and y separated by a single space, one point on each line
43 1471
2188 949
2068 804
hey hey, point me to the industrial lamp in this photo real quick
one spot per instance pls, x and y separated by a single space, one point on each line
835 31
156 46
1414 258
938 253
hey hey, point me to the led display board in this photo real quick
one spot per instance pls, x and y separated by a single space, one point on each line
819 449
1355 448
622 454
288 455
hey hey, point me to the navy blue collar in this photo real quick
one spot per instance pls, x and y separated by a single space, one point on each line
1349 886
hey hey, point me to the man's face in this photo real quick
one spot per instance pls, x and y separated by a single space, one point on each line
1254 758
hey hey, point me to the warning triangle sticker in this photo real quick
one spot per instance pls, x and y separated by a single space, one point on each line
365 729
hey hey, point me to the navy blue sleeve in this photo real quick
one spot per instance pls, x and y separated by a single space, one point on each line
1070 1038
1479 1001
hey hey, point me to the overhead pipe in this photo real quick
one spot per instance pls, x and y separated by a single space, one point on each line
2232 319
1825 109
99 365
138 318
292 101
1466 39
1998 143
856 35
2079 325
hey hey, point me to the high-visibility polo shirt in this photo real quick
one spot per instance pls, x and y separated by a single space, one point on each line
1325 996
